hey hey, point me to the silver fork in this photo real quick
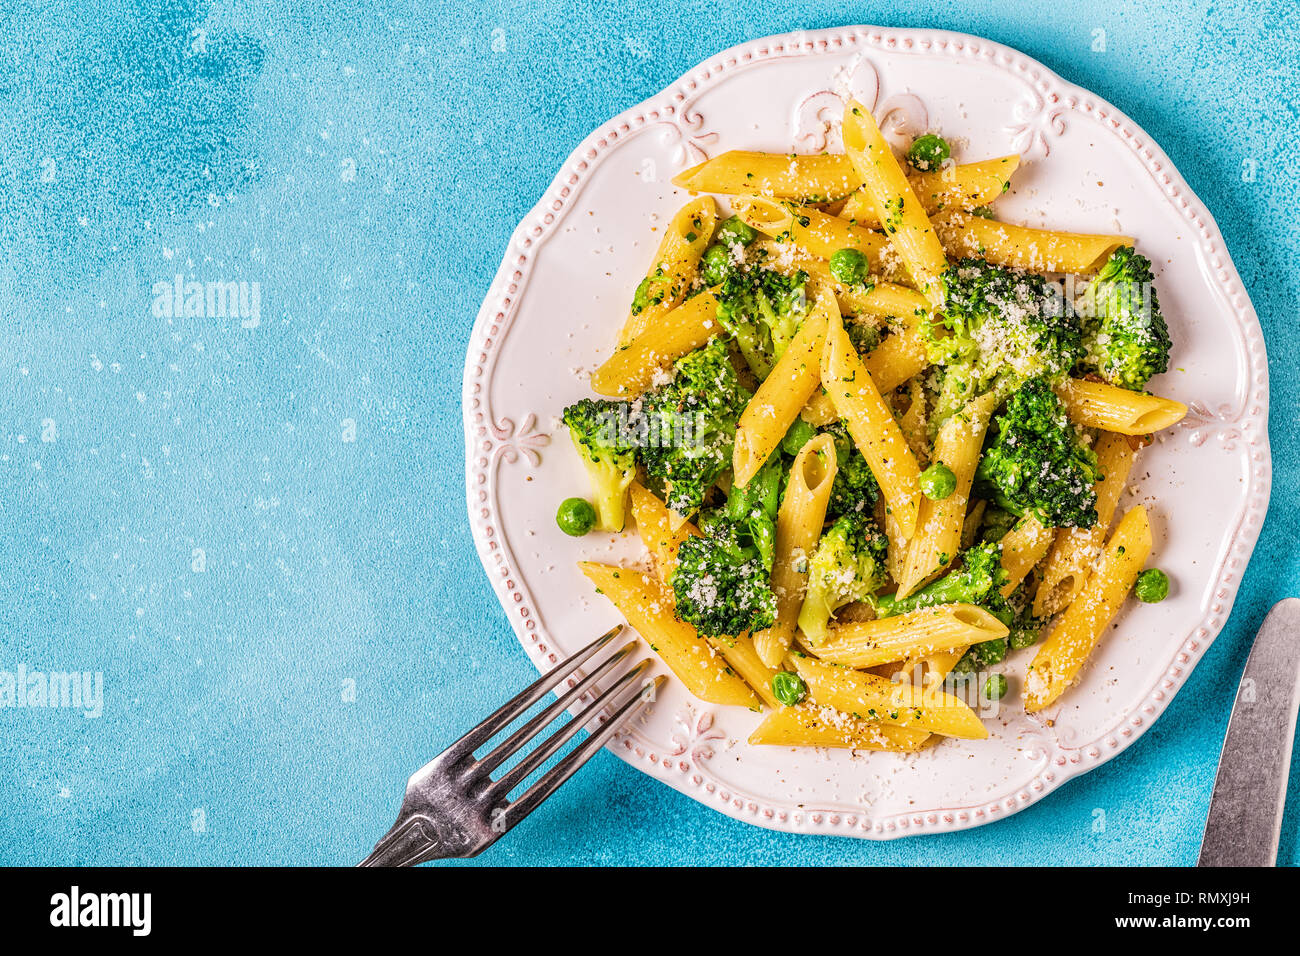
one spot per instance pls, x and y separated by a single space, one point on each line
453 808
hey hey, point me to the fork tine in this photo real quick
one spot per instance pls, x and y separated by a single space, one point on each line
519 704
500 789
531 798
511 745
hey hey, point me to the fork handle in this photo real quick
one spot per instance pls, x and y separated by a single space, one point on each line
414 841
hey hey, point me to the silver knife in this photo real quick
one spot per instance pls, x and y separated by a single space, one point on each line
1245 819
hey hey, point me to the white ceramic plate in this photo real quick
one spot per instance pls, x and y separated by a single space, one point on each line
562 292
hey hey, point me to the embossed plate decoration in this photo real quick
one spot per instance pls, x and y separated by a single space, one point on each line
561 294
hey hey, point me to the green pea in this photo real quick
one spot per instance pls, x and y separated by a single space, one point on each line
736 230
995 687
576 516
1152 586
788 687
928 152
938 481
716 263
849 266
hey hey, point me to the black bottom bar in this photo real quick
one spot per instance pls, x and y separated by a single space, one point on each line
441 902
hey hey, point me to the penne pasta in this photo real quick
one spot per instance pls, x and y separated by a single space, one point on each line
939 523
871 697
778 175
807 352
879 300
830 176
819 411
937 666
661 534
1113 409
1062 655
901 214
957 187
902 354
813 231
783 394
890 300
741 657
798 527
675 267
632 369
1022 548
654 523
1038 250
1075 549
900 357
872 426
970 529
896 554
807 725
918 633
914 420
648 606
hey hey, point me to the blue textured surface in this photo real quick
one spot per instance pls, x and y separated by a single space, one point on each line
139 140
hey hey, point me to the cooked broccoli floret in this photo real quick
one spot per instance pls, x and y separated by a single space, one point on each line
848 565
608 450
761 496
855 489
754 506
1025 628
721 581
1126 340
1036 463
998 328
693 420
995 523
981 655
762 308
976 582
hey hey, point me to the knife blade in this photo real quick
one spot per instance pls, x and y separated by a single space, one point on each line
1245 820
